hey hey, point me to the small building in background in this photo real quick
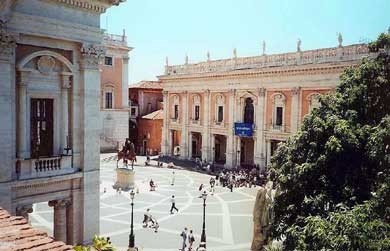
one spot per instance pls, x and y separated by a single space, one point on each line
145 126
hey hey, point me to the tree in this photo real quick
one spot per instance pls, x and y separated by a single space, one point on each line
98 244
335 170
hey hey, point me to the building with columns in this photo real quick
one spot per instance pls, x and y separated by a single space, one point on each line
235 111
50 115
114 103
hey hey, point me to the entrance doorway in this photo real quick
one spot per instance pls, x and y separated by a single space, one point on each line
196 144
247 152
220 149
175 139
41 127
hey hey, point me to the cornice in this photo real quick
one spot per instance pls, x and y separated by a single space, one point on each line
99 6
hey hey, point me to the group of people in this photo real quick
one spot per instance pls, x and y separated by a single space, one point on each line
150 221
187 237
241 178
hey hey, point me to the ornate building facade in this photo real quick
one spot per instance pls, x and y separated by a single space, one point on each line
114 92
235 111
50 115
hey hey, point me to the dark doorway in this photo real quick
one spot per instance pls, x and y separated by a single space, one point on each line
41 127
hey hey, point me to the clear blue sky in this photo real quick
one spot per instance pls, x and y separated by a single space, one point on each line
160 28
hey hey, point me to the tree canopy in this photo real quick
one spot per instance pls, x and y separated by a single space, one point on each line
334 174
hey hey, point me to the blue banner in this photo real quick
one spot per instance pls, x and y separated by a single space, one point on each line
243 129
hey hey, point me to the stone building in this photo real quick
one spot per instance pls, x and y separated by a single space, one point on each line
235 111
145 101
50 114
114 92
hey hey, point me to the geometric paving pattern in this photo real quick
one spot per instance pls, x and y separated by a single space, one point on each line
228 214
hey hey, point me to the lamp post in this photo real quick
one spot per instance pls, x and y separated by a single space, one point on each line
202 245
131 236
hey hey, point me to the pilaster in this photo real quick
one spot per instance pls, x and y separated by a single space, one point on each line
206 149
230 154
184 127
260 121
295 109
165 135
66 85
125 82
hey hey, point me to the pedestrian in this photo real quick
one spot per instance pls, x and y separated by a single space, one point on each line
173 204
147 217
173 178
104 190
191 240
184 236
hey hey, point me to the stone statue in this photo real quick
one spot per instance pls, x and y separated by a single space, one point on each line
208 56
186 59
340 38
235 53
263 216
248 111
299 45
263 47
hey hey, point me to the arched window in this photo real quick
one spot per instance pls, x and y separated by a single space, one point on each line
219 108
196 107
108 97
314 101
249 111
278 101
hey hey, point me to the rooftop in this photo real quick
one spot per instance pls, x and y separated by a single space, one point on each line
159 114
17 234
147 85
325 55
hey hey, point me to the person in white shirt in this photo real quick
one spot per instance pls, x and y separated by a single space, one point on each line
173 178
173 206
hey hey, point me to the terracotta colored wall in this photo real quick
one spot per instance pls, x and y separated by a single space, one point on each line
287 112
112 75
154 128
153 97
305 101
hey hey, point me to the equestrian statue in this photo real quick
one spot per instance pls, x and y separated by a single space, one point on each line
127 154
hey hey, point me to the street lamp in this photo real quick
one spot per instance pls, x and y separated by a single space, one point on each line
131 236
202 245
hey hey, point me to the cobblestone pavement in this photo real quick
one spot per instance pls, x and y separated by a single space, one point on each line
228 214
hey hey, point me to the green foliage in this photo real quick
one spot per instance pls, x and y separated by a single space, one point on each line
334 174
98 244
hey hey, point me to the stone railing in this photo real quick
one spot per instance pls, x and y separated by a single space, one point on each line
44 167
195 121
114 39
327 55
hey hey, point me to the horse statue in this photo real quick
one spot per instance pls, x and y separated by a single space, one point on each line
127 154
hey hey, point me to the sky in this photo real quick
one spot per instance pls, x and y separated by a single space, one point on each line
173 28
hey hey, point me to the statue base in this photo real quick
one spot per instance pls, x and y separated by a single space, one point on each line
124 179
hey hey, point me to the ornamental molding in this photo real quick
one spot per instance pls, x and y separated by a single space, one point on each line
46 64
91 55
60 204
99 6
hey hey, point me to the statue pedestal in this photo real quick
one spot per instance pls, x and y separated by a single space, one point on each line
124 179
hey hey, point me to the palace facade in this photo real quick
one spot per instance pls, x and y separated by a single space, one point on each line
50 116
235 111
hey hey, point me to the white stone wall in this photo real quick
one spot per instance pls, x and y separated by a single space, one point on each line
115 128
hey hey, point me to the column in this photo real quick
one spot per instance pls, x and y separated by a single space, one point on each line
184 128
22 137
260 121
66 84
8 113
90 129
164 140
125 82
230 154
268 144
295 109
238 150
206 153
212 140
60 223
190 145
169 145
24 211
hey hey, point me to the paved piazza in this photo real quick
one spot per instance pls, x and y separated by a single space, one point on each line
228 214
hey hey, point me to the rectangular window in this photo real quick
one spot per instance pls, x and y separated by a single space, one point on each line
41 127
176 115
108 61
132 111
108 104
197 112
220 114
279 116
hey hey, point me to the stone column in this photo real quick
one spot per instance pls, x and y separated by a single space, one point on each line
60 222
212 152
170 142
8 120
125 82
164 136
22 137
206 153
230 158
295 109
238 148
90 123
66 84
190 145
24 211
184 128
268 143
260 121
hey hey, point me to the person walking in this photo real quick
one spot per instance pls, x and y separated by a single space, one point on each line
184 236
191 240
173 206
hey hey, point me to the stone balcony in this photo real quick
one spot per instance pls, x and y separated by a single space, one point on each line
44 167
195 122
